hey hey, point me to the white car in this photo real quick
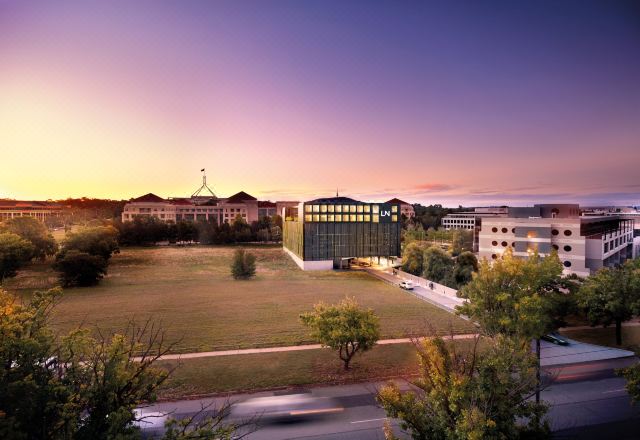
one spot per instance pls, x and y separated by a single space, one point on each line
406 285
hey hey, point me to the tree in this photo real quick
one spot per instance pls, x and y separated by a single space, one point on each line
612 295
516 297
413 233
80 268
465 266
343 327
15 252
34 231
82 387
413 259
438 265
632 375
469 395
100 240
243 265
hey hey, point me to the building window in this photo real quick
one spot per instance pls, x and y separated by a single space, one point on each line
513 230
505 230
394 208
494 243
494 256
323 208
376 218
338 217
360 217
555 246
360 208
338 208
567 264
352 217
330 217
316 217
367 218
567 232
367 208
555 232
376 209
532 234
330 207
504 244
316 208
567 248
494 229
353 208
323 217
394 217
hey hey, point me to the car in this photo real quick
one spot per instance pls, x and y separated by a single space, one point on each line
286 407
406 285
554 338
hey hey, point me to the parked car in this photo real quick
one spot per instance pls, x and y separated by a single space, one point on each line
555 338
406 285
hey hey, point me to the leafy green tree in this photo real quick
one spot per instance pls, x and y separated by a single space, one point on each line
34 231
243 265
469 394
413 233
632 375
343 327
516 297
83 387
101 241
80 268
15 252
465 266
438 265
413 258
612 295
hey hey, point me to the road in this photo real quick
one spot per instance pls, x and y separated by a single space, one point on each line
580 395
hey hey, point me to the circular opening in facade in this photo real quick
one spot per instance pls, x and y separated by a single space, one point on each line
494 243
567 248
513 230
494 256
567 232
567 264
504 230
494 229
504 244
555 232
513 245
555 246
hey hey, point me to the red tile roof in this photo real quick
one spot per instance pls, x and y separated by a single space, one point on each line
240 197
401 202
149 198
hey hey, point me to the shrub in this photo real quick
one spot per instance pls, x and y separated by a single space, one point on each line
243 265
80 268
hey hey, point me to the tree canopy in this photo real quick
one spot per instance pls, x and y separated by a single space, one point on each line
469 394
343 327
35 232
15 252
243 265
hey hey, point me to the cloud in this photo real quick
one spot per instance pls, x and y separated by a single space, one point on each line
433 187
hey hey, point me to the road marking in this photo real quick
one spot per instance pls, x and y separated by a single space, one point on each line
614 391
370 420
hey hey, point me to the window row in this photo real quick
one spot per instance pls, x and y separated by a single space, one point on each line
375 218
366 209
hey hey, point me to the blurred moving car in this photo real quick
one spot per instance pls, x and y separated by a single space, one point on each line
555 338
285 408
406 285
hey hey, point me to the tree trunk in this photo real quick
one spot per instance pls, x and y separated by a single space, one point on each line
538 370
618 332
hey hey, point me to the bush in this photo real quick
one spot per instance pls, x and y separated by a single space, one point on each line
15 252
34 231
99 241
243 265
80 268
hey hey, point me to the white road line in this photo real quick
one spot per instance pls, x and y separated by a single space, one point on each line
614 391
370 420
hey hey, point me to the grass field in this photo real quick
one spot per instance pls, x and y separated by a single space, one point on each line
607 336
287 369
189 291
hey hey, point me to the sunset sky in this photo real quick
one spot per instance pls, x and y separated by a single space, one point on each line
473 103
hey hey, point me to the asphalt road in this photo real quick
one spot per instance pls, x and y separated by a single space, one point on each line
588 401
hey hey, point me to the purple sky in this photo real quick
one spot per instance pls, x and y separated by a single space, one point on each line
469 103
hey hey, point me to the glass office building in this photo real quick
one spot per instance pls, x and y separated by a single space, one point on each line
328 233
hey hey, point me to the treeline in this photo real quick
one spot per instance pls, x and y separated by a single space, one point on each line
439 266
431 216
81 211
143 231
460 240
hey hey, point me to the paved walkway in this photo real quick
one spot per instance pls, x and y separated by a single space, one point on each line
284 349
445 302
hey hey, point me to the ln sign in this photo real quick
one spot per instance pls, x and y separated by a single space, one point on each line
385 213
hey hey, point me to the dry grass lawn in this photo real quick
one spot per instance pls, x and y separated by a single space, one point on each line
190 292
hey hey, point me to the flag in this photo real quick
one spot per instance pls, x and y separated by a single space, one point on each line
202 170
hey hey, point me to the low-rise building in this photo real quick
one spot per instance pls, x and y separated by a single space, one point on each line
328 233
19 208
583 243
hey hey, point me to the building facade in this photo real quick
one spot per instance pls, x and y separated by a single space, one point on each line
202 208
17 208
327 233
584 243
